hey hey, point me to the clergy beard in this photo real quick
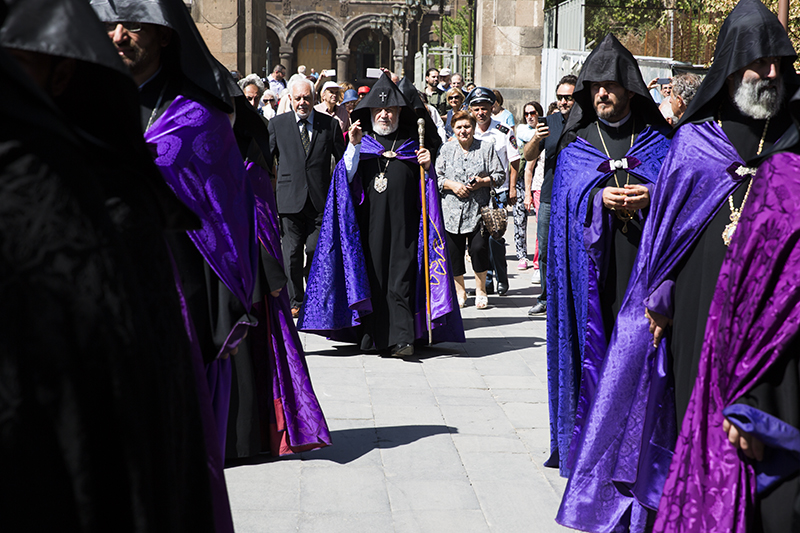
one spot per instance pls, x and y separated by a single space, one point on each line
380 129
759 99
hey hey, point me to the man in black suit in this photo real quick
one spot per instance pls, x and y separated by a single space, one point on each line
303 142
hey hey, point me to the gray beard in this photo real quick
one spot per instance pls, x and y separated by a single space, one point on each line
759 99
382 130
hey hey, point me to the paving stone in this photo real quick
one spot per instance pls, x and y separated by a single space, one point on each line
450 440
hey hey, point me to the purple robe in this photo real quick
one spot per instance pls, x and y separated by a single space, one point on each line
625 449
196 151
577 265
287 404
753 317
338 292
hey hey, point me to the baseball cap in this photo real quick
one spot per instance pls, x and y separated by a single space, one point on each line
364 89
330 85
444 72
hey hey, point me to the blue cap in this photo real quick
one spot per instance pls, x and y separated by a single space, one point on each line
350 95
480 95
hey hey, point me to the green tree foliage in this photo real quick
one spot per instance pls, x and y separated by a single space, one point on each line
457 25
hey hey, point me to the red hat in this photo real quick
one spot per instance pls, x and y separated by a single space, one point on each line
363 89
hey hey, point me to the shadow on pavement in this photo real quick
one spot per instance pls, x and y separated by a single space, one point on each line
350 444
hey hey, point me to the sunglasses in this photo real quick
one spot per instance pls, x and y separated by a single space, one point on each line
268 100
531 113
132 27
454 98
567 97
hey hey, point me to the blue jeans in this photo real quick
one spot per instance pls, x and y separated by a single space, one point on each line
542 229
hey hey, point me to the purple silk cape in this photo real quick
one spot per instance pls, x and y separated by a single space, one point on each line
195 149
278 356
577 265
338 292
754 315
625 449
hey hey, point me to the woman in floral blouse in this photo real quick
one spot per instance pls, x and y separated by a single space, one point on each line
467 170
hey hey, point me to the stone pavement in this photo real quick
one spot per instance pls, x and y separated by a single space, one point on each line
450 440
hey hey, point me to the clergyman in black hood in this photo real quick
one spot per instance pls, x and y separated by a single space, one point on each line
383 160
739 114
100 414
612 148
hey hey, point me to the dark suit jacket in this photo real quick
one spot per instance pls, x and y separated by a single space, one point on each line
301 176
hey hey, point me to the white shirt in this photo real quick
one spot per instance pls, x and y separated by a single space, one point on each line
309 119
504 145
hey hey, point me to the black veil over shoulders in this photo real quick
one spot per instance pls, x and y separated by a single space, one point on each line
610 61
432 140
196 62
750 32
101 104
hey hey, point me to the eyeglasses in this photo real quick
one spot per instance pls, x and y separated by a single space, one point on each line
534 113
454 98
567 97
132 27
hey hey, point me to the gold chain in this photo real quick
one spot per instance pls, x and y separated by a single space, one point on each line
727 233
622 214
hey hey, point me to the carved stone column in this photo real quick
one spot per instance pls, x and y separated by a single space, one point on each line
342 59
287 52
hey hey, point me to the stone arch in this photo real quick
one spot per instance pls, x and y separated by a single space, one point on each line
361 22
276 25
315 19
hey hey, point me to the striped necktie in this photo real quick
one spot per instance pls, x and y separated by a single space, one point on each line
304 135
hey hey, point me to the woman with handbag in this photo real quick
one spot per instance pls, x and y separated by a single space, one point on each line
467 170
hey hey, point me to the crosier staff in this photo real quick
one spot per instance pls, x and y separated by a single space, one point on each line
421 131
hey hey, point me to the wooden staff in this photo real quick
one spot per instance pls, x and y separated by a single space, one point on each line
421 131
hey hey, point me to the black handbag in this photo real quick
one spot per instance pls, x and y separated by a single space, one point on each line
495 219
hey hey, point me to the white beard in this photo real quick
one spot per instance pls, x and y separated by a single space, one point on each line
380 129
760 99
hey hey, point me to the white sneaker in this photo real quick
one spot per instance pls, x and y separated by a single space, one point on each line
536 278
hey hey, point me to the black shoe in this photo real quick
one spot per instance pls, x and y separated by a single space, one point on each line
502 289
539 309
403 349
470 292
489 287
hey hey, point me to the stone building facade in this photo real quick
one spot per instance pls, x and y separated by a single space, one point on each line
508 44
254 35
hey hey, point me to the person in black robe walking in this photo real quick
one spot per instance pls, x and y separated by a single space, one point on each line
389 216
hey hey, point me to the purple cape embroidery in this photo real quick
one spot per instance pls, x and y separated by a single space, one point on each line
753 317
200 161
577 262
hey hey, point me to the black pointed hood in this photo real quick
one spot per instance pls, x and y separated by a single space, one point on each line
432 140
750 32
385 94
610 61
100 107
192 54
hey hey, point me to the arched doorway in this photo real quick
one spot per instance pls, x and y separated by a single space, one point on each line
314 49
368 49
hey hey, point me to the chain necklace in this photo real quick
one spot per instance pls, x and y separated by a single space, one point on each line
623 214
730 229
381 181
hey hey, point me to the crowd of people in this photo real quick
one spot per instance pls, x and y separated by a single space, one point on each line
174 245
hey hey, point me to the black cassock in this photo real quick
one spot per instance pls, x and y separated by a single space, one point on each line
624 245
389 223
